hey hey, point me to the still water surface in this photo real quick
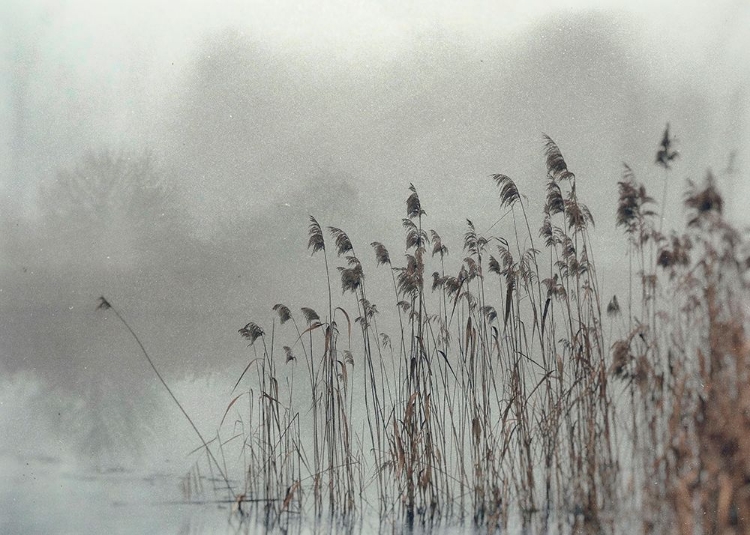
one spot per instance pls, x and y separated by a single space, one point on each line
44 495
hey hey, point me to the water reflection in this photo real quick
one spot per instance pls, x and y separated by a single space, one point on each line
49 495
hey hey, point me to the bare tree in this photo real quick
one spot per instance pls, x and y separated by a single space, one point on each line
114 199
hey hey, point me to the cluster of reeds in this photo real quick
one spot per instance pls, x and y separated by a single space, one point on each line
493 398
500 398
685 362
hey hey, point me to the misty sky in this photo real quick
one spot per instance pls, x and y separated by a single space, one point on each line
256 114
254 96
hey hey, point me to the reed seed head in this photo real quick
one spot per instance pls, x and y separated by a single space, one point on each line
251 332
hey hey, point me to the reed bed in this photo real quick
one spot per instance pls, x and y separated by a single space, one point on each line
508 393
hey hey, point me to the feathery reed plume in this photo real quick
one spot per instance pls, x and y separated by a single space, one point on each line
437 245
630 201
613 308
555 204
547 232
508 190
472 268
703 201
415 237
666 152
251 332
343 244
556 166
631 206
664 156
368 309
283 311
404 305
495 266
410 277
676 255
577 213
437 281
473 243
490 313
413 204
381 254
351 277
316 241
310 315
621 358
